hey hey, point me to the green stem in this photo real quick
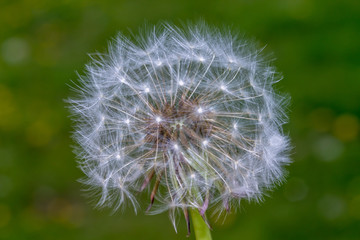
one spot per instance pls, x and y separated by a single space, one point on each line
202 232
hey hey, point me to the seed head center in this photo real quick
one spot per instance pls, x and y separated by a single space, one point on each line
179 123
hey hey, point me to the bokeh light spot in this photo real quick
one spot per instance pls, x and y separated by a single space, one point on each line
65 212
15 50
32 220
8 117
328 148
331 207
354 208
346 127
5 215
39 134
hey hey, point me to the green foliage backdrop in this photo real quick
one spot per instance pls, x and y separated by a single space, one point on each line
316 44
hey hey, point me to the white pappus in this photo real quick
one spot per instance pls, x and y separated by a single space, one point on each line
188 114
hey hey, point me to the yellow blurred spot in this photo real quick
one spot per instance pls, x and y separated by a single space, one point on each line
321 119
5 215
48 50
65 212
31 220
8 119
354 207
346 127
39 133
15 14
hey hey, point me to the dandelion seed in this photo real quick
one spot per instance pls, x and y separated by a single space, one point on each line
181 146
158 119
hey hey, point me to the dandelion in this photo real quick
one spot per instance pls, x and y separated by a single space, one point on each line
188 115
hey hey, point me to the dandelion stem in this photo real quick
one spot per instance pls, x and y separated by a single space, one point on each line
202 232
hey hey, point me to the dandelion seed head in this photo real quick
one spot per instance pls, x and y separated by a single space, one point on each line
189 116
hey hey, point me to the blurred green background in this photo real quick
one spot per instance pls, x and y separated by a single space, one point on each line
317 48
